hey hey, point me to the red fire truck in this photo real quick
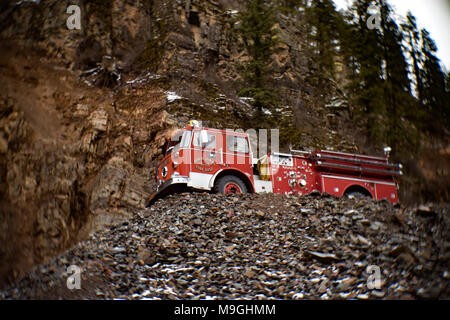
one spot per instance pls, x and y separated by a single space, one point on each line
222 161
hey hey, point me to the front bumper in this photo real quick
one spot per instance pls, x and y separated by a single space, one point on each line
171 181
165 186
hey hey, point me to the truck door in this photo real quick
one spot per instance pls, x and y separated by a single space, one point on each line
237 153
205 158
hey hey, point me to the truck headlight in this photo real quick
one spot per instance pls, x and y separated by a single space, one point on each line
164 172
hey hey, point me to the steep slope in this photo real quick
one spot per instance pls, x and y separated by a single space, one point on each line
202 246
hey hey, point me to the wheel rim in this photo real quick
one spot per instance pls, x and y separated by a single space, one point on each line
232 187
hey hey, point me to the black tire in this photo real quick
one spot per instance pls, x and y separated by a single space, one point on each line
221 184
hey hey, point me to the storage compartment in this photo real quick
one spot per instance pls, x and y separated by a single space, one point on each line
262 186
264 168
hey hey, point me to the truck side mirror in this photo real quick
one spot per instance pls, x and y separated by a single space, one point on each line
203 137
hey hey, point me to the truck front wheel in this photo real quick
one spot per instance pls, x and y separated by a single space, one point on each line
230 185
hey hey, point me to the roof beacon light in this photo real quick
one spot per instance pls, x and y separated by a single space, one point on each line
387 152
194 123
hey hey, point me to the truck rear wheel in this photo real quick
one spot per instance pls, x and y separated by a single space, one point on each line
358 195
230 185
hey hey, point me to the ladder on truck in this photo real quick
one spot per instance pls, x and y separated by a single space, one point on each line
351 163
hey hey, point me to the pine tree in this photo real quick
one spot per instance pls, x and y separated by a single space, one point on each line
447 94
412 35
291 4
435 94
364 57
322 17
259 36
397 87
447 82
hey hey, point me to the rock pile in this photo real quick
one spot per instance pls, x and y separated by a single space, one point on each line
204 246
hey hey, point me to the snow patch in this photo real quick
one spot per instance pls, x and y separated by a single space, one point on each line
22 1
144 78
267 111
172 96
246 100
232 12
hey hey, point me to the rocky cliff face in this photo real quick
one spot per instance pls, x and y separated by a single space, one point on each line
83 113
73 157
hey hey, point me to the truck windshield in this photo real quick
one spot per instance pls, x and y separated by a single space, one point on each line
179 140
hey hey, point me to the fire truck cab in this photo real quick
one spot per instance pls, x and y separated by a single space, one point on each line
222 161
207 159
